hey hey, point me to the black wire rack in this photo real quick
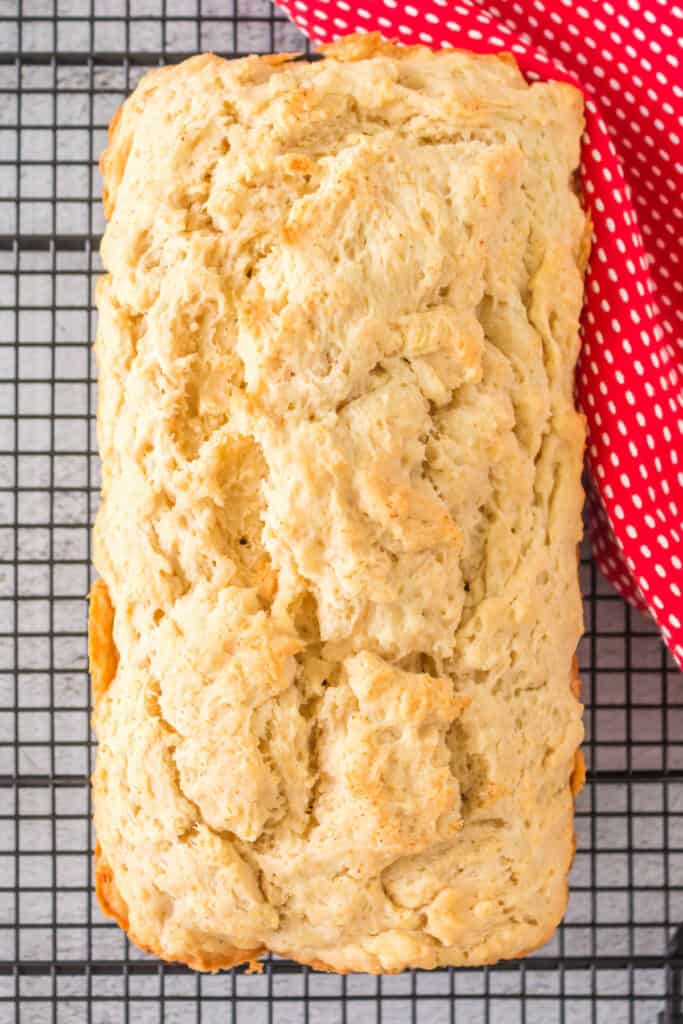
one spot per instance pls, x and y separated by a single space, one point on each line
65 66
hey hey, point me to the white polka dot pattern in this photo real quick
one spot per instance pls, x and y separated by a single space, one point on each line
626 57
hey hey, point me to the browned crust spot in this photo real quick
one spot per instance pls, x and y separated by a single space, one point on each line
364 45
578 776
104 658
106 158
108 896
274 59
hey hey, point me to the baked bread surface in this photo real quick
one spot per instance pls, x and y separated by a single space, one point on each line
333 639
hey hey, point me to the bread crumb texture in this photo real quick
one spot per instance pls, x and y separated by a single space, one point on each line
341 506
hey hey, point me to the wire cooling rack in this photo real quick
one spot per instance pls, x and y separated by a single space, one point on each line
65 66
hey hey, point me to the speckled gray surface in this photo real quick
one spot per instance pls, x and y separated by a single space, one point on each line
628 875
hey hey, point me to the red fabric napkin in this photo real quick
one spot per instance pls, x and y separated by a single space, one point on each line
626 56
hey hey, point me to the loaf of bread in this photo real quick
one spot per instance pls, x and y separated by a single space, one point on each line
333 640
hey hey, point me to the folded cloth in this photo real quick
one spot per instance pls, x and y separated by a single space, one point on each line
626 56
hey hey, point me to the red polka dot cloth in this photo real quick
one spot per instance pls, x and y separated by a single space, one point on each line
626 57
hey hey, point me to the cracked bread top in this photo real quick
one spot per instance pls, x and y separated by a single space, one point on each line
333 658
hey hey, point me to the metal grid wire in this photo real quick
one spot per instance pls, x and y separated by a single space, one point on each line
65 66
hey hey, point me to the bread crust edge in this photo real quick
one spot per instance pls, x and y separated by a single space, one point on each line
102 651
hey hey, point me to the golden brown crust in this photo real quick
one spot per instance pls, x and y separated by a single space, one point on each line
210 962
254 967
115 714
108 896
372 44
363 46
275 59
579 773
105 160
104 657
578 776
